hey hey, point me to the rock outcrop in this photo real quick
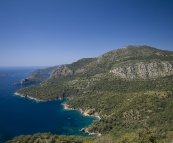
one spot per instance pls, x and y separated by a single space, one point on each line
144 70
62 71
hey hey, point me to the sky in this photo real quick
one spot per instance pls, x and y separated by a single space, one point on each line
55 32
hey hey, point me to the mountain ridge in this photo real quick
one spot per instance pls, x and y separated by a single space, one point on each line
140 56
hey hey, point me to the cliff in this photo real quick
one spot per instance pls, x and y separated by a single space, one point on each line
144 70
61 71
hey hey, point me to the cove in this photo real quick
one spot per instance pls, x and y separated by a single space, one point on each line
22 116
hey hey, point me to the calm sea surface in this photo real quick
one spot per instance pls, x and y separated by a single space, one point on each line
22 116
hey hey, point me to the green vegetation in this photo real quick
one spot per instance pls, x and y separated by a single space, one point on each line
145 135
35 78
80 63
49 138
44 71
132 110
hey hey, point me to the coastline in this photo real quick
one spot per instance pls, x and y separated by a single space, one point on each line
84 113
85 130
32 98
80 110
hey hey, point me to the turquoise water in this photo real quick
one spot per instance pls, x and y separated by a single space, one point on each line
22 116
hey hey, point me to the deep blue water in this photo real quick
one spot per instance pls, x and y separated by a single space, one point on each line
22 116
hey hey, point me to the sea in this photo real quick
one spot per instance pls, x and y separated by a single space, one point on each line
23 116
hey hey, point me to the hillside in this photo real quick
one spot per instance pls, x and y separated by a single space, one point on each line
131 89
127 62
44 71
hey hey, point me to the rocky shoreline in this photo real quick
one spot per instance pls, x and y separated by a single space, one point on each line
32 98
82 112
85 130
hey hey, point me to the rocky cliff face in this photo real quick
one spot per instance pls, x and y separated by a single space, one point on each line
144 70
62 71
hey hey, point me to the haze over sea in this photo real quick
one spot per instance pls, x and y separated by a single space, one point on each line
22 116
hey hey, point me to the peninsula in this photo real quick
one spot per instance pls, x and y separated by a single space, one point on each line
129 89
33 78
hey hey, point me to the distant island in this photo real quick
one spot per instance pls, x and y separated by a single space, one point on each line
4 74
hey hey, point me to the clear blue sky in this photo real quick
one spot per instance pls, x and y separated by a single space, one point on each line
54 32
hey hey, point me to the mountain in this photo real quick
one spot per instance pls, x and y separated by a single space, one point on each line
130 89
127 62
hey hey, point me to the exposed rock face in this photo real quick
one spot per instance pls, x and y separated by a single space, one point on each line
62 71
144 70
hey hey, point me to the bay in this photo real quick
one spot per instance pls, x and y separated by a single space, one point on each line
22 116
